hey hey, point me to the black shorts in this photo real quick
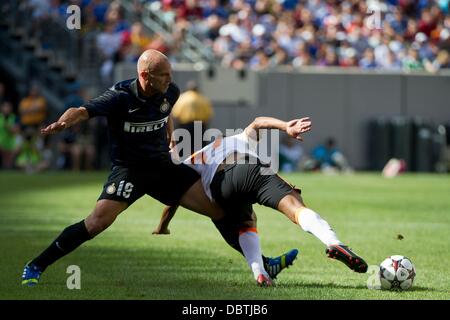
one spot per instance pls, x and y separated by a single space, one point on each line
162 180
238 186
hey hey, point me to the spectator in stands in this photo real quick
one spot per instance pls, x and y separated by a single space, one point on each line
427 22
259 61
411 62
411 30
139 37
190 108
291 153
210 29
215 7
115 16
33 154
98 9
108 43
57 9
381 51
33 109
328 57
160 44
329 33
76 147
40 8
279 57
133 43
392 63
442 61
397 21
368 61
9 128
77 150
328 158
190 10
303 57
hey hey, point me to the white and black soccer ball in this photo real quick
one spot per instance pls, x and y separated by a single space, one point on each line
397 273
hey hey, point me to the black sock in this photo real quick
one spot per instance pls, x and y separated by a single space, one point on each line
70 239
229 232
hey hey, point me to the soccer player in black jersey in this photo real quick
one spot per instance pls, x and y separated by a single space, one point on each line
139 128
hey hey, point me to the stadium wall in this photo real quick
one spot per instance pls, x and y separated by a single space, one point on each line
340 103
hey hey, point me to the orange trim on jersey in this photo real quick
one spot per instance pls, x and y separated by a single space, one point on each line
198 157
204 158
244 230
217 142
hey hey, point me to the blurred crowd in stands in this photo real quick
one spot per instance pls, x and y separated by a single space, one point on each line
259 34
254 34
82 147
325 157
85 146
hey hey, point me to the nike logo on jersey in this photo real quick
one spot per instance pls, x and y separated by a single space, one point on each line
133 110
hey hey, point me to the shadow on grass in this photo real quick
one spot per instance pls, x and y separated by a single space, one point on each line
331 285
18 182
419 289
155 272
323 286
341 286
122 268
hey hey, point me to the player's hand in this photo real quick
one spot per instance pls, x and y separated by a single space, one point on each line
55 127
172 144
174 154
160 230
298 126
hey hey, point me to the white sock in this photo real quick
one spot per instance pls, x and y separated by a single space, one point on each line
249 241
313 223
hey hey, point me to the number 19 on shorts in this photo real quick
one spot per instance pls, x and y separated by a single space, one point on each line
124 189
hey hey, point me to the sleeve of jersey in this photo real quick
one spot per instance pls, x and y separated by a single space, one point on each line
103 105
175 93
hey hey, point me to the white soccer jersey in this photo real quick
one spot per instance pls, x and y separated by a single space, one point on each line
207 160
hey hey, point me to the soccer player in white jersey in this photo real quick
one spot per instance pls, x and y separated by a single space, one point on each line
233 176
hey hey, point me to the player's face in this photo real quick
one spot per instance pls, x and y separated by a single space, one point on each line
161 78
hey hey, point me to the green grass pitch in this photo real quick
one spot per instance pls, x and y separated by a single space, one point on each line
126 262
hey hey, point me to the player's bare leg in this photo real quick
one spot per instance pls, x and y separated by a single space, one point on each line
231 231
196 200
294 208
103 215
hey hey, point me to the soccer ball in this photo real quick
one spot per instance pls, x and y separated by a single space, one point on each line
397 272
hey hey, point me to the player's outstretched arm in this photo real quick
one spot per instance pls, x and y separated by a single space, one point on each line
166 217
293 128
71 117
170 129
